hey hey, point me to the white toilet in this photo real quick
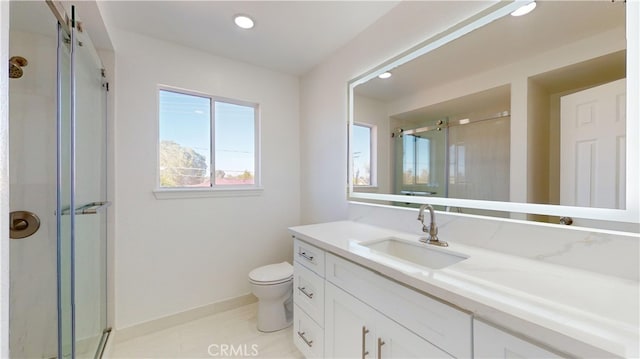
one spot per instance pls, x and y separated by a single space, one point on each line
273 285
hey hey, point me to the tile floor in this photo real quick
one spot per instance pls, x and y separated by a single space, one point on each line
228 334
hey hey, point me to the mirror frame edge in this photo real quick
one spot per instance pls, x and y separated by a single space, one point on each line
629 215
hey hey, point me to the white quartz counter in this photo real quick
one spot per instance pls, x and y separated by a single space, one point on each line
579 313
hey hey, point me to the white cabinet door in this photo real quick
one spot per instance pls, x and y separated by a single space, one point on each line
396 341
349 325
492 343
355 330
438 323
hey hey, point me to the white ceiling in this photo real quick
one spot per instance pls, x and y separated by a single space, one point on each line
289 36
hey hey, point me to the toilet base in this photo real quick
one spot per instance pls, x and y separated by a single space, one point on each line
275 315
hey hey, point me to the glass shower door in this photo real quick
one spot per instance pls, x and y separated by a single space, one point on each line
81 197
90 200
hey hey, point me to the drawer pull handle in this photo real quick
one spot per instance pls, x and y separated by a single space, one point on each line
364 341
306 341
304 291
305 256
380 344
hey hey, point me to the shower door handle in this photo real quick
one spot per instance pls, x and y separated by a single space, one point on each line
90 208
23 224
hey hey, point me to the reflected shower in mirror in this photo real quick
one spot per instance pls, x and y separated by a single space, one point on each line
525 109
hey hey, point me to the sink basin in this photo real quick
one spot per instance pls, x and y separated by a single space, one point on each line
417 253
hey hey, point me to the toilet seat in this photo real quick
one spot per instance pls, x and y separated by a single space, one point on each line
272 274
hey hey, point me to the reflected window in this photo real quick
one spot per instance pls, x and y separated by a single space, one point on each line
416 160
206 142
363 155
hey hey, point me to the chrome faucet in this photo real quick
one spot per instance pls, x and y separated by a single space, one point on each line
432 229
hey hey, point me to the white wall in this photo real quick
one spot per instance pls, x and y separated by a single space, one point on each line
179 254
324 97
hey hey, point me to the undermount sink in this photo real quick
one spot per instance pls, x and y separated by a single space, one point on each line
415 252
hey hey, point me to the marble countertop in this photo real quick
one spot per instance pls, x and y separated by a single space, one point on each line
577 312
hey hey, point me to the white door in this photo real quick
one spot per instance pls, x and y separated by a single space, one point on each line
593 147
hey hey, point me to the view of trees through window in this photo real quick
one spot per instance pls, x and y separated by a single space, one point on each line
191 155
361 155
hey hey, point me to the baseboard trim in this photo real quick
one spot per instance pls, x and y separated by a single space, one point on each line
169 321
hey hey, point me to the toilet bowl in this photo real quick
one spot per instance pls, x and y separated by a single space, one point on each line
273 286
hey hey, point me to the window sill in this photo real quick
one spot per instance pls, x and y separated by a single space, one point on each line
179 193
365 188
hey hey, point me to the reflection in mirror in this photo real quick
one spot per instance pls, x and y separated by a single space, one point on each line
525 109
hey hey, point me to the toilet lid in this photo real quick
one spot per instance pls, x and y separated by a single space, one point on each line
272 272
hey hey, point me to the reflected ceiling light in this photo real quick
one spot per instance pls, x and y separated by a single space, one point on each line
385 75
524 9
244 21
465 121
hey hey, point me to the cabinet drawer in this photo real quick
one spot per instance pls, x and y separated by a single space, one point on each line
309 256
307 334
308 292
440 324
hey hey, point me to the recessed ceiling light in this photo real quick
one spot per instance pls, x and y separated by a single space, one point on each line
524 9
385 75
243 21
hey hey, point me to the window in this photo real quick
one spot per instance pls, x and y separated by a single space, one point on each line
207 142
416 164
363 155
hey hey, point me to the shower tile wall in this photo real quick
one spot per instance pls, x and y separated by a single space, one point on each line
32 116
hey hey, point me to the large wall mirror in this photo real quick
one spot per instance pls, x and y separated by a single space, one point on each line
513 116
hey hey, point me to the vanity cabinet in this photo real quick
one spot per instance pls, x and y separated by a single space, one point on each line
490 342
445 327
356 330
342 309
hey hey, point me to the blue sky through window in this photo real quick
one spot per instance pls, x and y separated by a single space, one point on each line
186 120
235 142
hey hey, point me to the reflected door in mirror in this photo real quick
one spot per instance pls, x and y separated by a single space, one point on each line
593 148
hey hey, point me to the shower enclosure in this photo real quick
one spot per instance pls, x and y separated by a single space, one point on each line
449 156
57 145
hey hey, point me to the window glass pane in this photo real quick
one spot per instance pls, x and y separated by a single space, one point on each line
185 146
423 160
361 155
235 144
408 159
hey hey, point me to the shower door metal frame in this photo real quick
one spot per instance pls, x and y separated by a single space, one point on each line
63 32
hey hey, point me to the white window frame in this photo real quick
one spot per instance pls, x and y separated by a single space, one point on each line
241 190
373 156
